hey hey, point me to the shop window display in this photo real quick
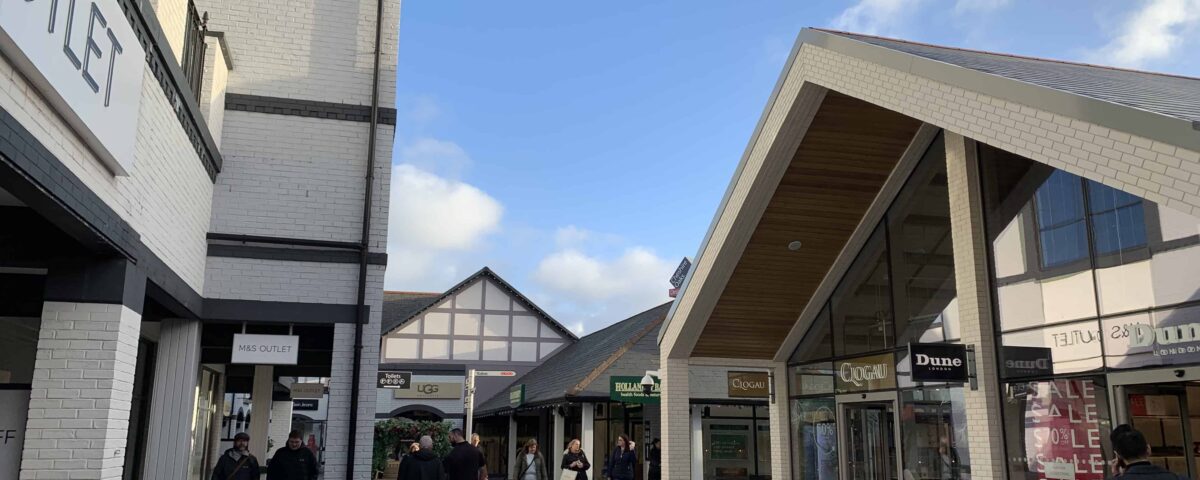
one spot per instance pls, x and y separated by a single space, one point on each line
934 426
1056 428
815 434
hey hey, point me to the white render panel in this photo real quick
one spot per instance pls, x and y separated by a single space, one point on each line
545 349
167 196
401 348
466 324
413 327
1077 287
524 351
524 326
548 331
437 323
435 349
471 297
495 325
281 281
495 298
1174 274
466 349
1125 287
495 350
1020 304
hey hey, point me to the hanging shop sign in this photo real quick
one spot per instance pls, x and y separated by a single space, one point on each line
938 362
681 272
1026 361
431 390
400 380
306 405
84 58
628 389
516 395
265 349
14 409
748 384
308 390
874 372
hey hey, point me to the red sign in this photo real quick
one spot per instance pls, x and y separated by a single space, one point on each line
1137 405
673 292
1062 430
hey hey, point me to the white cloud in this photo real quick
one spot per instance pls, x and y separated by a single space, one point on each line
432 155
875 17
595 292
571 235
424 109
979 6
434 223
1154 32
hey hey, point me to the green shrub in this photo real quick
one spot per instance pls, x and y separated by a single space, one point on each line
393 436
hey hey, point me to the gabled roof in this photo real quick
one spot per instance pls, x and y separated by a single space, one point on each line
582 370
404 310
1171 95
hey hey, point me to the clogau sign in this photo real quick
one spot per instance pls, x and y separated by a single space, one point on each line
749 385
875 372
84 58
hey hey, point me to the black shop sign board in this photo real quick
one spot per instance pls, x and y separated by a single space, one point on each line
938 362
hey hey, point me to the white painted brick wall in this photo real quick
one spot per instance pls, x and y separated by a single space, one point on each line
82 391
172 16
338 425
676 429
167 196
212 88
281 281
280 425
299 177
312 49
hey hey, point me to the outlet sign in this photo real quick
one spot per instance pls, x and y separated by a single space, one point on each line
84 58
265 349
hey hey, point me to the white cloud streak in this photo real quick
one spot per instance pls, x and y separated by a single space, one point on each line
875 17
1153 32
595 291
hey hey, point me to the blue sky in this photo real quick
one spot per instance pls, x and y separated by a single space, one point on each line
580 149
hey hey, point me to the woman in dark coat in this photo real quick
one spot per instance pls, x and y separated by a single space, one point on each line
655 459
575 460
621 463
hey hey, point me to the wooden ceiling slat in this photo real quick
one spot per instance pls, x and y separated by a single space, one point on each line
846 156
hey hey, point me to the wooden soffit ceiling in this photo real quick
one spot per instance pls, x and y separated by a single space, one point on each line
842 163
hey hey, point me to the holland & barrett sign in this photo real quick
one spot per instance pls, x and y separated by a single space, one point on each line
628 389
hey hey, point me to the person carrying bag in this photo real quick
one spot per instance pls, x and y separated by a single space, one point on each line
530 464
574 463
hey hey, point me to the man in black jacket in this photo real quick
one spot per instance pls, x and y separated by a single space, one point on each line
1134 452
293 461
465 462
237 463
422 465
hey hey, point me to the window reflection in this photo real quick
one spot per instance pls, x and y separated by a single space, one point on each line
1062 232
814 434
818 342
934 425
861 304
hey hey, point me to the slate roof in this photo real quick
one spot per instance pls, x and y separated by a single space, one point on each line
582 370
404 309
1171 95
401 306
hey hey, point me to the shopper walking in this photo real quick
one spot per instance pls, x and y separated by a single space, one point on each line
422 464
655 459
477 442
575 463
622 461
530 464
293 461
237 463
1134 452
464 462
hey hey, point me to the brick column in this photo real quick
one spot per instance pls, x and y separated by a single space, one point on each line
173 400
83 376
780 425
260 411
338 428
974 306
676 419
588 435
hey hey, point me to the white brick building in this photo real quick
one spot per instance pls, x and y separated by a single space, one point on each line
955 264
175 173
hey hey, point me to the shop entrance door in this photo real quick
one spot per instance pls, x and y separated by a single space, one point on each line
869 436
1166 412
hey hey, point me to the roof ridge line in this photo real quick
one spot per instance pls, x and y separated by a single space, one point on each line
1009 55
608 362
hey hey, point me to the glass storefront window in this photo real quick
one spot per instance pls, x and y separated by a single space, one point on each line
934 426
862 303
1057 425
922 252
815 438
817 342
1074 347
736 442
812 379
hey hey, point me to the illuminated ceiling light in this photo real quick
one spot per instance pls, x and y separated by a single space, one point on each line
794 245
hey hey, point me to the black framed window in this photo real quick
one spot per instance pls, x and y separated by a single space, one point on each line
1062 229
1118 219
861 306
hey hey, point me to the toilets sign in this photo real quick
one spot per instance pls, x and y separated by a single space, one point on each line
265 349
